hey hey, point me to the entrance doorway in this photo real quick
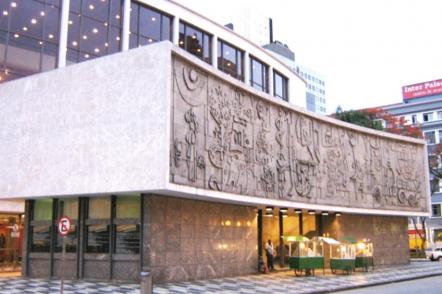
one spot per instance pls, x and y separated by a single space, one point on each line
11 242
278 225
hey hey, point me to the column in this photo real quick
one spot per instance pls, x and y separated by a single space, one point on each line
270 80
64 23
176 30
259 223
215 51
126 26
281 240
246 68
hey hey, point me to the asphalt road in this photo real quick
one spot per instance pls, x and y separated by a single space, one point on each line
431 285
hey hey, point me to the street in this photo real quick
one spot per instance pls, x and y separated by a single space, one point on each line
424 286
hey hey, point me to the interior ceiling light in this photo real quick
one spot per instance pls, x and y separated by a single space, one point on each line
153 18
338 214
5 12
94 30
298 211
13 4
74 43
311 212
91 7
33 21
269 208
42 13
324 213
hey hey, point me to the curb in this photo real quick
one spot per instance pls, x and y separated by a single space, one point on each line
345 288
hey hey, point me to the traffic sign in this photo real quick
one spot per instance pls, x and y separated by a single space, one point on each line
64 225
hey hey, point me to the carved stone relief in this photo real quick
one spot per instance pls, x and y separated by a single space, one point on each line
225 139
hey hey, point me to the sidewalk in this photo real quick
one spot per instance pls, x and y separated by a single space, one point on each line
281 282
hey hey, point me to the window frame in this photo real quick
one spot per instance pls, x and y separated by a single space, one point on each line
285 85
204 35
264 75
238 52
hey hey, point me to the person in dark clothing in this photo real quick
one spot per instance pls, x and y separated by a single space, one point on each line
269 254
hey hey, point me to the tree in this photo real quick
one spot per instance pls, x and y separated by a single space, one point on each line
378 119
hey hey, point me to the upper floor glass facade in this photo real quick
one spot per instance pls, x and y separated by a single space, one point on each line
35 34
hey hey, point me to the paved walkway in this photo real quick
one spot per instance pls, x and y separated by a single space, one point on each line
280 282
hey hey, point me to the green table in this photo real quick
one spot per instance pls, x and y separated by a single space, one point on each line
306 264
346 265
364 262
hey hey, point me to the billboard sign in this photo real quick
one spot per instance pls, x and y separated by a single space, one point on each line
422 89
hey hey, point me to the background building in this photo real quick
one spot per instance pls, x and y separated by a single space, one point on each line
315 85
422 105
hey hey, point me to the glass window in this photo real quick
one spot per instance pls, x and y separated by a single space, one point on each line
430 137
42 210
148 26
94 29
68 207
128 207
98 238
195 41
280 86
41 238
413 119
436 210
98 225
439 115
99 208
127 239
230 60
127 228
258 75
28 37
428 116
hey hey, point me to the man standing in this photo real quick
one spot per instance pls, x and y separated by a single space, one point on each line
269 254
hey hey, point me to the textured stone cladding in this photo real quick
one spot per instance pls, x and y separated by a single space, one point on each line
191 239
226 139
388 234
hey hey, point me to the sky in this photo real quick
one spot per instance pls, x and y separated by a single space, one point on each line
365 50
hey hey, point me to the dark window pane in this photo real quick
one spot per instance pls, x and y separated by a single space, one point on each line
182 36
166 23
70 240
96 9
97 239
96 31
280 86
127 239
49 57
40 238
230 59
148 26
258 75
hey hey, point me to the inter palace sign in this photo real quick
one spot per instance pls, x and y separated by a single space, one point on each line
422 89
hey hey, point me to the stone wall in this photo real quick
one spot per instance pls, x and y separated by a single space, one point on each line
190 239
229 139
388 233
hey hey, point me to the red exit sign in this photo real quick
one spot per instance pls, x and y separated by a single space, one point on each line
422 89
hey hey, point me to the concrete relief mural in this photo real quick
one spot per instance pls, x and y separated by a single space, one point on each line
225 139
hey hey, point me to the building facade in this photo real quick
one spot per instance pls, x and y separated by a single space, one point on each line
183 157
422 105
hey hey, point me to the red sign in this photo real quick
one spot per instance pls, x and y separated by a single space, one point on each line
64 225
422 89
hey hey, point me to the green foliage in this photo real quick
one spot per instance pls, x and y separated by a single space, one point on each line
359 117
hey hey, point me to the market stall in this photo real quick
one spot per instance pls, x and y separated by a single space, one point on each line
364 254
305 255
